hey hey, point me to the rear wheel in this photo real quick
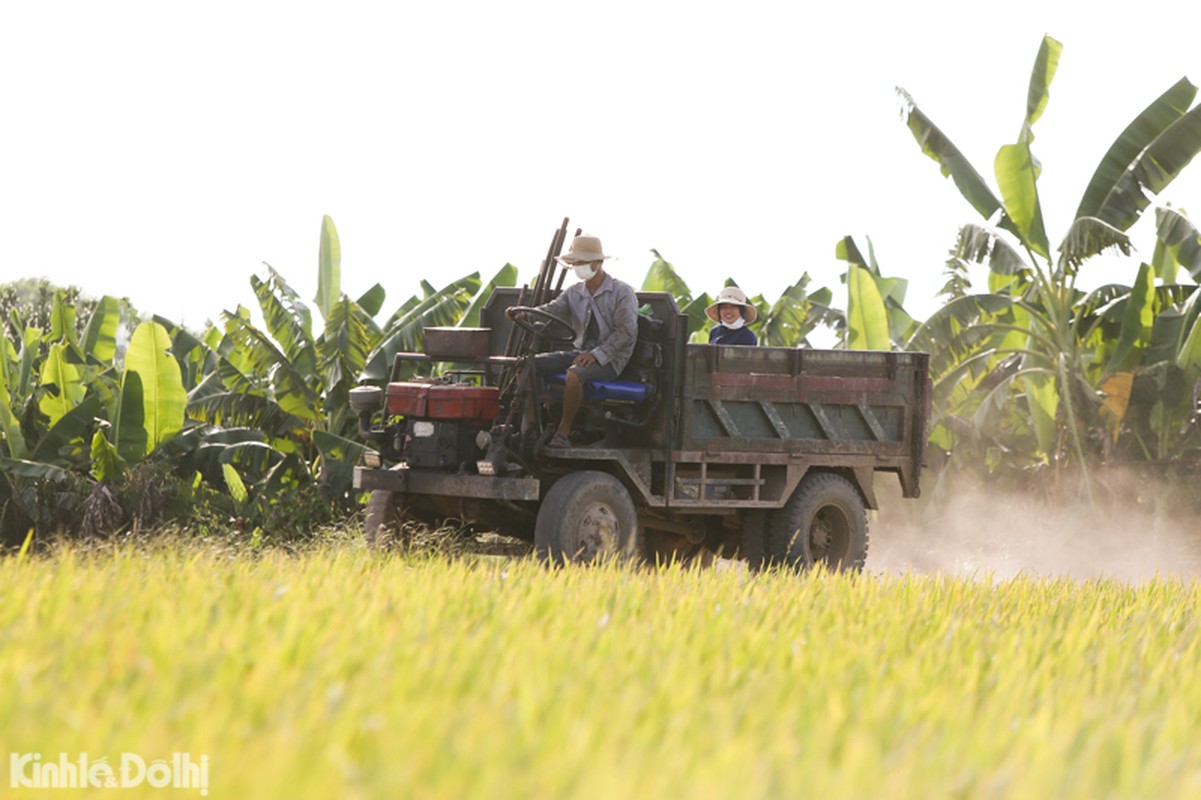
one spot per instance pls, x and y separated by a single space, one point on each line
587 516
823 522
384 516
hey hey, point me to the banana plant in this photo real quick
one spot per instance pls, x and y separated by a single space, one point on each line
795 314
1154 395
876 317
786 322
1035 350
290 376
74 398
404 331
662 276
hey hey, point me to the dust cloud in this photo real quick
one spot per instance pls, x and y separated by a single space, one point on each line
1133 528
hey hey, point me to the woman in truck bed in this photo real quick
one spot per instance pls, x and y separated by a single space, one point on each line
733 314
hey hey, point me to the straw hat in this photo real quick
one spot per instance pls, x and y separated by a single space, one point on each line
732 296
584 249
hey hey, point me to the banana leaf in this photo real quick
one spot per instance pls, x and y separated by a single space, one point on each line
107 464
1042 400
507 276
295 392
979 245
253 459
1136 324
162 394
34 470
661 276
1087 237
1181 239
867 318
1045 66
1152 171
350 334
935 144
372 300
62 320
1132 141
338 457
9 424
211 403
57 443
405 331
1017 177
329 268
698 321
233 482
1189 356
61 384
100 336
788 321
287 319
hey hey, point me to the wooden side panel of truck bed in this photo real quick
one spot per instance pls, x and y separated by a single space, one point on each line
845 408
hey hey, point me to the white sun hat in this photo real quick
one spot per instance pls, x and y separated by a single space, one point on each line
732 296
584 249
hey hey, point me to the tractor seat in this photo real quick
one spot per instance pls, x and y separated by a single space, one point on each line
601 391
636 383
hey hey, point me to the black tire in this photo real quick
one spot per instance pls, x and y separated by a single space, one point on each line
823 522
587 516
382 526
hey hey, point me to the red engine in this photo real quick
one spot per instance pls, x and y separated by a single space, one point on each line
457 401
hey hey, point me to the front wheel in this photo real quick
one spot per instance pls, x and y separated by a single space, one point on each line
587 516
823 522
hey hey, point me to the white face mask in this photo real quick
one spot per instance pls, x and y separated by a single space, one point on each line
736 324
584 272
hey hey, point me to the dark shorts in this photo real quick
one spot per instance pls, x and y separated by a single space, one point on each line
560 361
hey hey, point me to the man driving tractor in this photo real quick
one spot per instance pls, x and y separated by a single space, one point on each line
604 318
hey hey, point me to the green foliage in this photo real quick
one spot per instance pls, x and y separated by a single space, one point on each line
1178 245
867 319
31 303
795 314
876 317
153 400
1024 370
404 331
329 268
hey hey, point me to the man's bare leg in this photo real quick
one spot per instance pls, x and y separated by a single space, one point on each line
573 396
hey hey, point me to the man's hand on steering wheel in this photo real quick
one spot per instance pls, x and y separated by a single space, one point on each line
544 323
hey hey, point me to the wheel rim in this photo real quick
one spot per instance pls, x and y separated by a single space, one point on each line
830 535
597 532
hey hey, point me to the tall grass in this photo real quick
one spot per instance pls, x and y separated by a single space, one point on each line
342 673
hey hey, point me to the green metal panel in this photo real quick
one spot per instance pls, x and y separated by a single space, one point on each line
772 399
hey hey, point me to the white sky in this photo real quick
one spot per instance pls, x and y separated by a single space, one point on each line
162 151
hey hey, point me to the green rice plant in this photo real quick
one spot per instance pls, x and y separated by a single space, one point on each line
340 672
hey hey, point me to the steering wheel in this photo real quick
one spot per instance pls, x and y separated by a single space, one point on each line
552 327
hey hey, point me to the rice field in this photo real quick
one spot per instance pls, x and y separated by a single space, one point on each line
339 672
